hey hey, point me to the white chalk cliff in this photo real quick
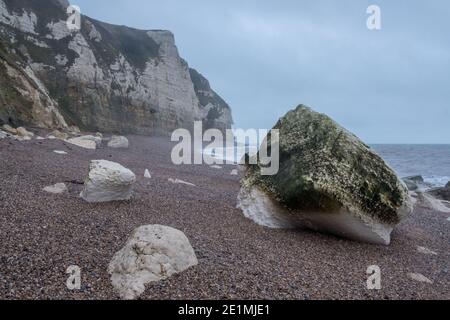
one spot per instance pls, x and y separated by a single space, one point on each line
102 77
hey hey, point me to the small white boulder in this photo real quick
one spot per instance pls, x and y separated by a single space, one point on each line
108 181
56 134
151 253
178 181
83 143
424 250
118 142
24 133
9 129
419 277
56 189
147 174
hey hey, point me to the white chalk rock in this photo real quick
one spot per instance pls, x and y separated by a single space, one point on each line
424 250
147 174
216 167
24 133
9 129
83 143
152 253
56 189
59 152
178 181
419 277
118 142
259 207
234 172
56 134
3 134
429 202
108 181
96 139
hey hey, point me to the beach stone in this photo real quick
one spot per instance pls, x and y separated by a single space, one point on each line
147 174
3 134
96 139
24 133
419 277
178 181
429 201
118 142
329 181
151 253
108 181
59 152
440 193
59 135
234 172
74 129
56 189
9 129
413 183
424 250
83 143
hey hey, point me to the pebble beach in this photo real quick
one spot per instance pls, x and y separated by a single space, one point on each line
42 234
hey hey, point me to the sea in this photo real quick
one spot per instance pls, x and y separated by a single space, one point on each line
432 162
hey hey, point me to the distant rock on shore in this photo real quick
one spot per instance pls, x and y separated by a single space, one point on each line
441 193
328 181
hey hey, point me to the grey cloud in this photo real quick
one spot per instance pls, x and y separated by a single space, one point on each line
265 57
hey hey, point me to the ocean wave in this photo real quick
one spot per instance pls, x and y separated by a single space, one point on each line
436 181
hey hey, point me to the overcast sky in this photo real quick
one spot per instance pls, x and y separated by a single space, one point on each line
266 57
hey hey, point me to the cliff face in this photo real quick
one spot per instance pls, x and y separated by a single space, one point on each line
103 77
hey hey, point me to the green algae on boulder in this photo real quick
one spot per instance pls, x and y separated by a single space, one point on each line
328 180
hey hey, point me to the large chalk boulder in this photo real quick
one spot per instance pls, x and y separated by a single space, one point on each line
108 181
328 181
118 142
152 253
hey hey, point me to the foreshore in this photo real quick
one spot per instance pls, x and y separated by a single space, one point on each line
42 234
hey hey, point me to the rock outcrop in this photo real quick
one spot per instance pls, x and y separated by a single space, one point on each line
108 181
441 193
152 253
103 77
328 181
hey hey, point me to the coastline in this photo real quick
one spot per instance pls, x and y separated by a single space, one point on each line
42 234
